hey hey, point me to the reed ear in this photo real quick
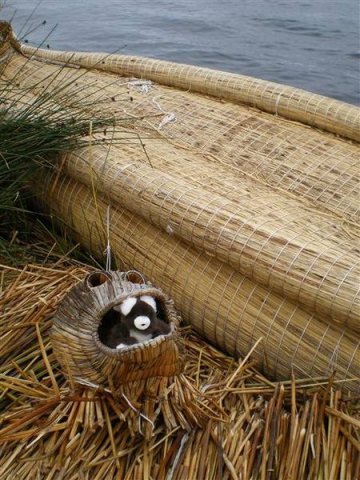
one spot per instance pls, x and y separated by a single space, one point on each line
150 301
126 306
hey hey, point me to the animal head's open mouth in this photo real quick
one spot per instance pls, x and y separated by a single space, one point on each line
119 329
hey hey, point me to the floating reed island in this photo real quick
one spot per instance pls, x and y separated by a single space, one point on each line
238 199
53 427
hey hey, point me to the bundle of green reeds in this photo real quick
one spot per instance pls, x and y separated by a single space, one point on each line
34 129
53 428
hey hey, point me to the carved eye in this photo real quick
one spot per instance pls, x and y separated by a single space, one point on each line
142 322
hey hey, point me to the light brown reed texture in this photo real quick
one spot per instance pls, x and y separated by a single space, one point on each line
306 257
295 104
76 342
286 155
226 307
275 238
49 429
141 399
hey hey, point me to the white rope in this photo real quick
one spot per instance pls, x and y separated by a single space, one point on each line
139 413
107 250
170 117
144 86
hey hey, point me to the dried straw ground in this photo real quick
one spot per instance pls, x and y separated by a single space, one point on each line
254 428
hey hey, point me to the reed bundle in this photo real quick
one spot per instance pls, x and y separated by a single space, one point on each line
285 155
306 257
226 307
52 428
295 104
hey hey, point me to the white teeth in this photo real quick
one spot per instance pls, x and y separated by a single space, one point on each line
150 301
142 322
126 307
121 345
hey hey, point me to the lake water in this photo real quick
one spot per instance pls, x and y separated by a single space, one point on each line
311 44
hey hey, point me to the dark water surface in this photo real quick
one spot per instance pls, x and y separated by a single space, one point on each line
311 44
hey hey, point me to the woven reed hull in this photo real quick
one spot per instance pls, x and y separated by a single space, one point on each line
221 304
287 156
328 114
276 238
307 257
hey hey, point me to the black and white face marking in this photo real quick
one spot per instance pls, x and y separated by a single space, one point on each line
138 312
139 316
150 301
129 303
126 307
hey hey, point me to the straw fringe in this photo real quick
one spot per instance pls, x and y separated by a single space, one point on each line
83 433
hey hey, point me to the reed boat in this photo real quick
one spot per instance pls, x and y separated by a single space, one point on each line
238 197
233 202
